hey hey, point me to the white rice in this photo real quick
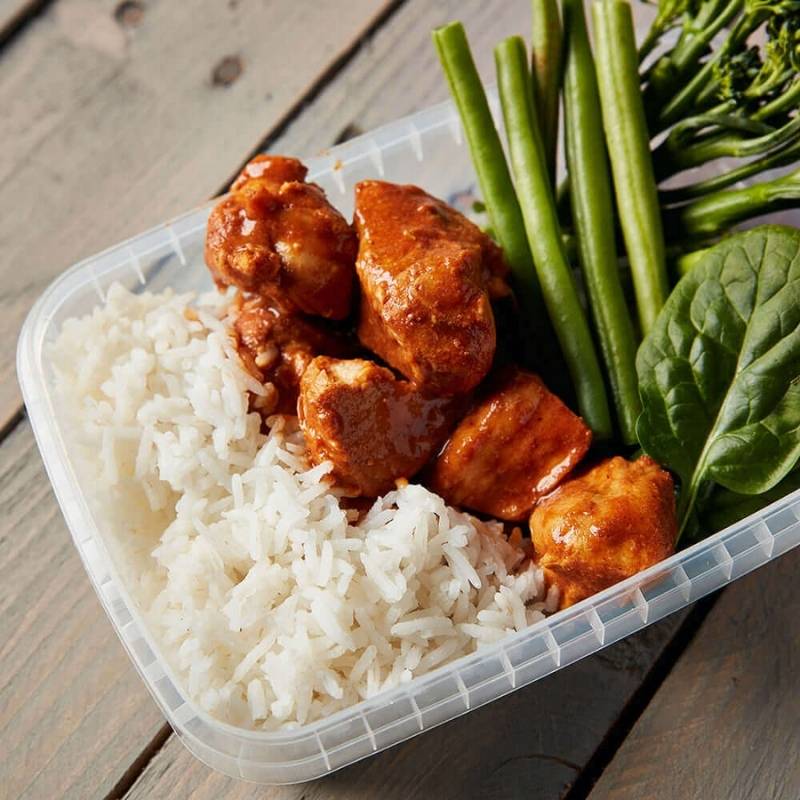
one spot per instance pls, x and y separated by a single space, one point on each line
274 605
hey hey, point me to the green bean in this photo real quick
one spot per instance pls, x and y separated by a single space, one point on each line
490 164
593 217
629 150
546 47
535 194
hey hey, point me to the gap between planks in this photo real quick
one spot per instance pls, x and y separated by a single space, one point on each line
724 723
316 89
10 426
140 763
15 16
633 710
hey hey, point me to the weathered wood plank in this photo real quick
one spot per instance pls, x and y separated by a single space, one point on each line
112 124
397 71
73 714
725 722
530 744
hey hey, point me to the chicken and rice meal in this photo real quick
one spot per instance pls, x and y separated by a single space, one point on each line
334 474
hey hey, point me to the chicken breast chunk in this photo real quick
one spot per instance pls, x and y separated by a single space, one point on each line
606 525
426 275
275 230
276 343
517 442
375 428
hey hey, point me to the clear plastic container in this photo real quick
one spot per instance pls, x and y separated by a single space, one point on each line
427 149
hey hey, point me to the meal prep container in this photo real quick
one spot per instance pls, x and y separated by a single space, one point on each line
427 149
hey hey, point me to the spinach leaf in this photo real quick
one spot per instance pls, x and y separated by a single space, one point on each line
724 507
719 374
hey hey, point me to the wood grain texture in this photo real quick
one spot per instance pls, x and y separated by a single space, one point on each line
725 722
73 713
532 743
397 71
110 126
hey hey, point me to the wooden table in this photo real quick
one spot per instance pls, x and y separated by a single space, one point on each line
117 115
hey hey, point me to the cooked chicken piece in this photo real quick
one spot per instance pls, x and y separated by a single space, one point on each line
515 445
275 230
276 343
606 525
426 275
375 428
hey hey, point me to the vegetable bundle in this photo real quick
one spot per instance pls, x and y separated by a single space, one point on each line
713 393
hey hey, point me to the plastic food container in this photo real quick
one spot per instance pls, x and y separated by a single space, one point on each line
427 149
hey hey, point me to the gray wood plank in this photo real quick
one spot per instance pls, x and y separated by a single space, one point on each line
112 124
73 713
397 71
532 743
725 722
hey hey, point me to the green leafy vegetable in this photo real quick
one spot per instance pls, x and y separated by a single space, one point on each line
725 507
719 374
